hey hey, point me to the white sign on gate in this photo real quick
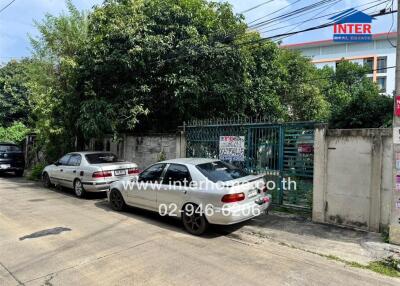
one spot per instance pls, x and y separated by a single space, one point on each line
231 148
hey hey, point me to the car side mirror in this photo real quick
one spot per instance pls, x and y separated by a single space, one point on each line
57 163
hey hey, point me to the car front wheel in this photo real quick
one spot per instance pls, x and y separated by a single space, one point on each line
194 220
46 180
78 189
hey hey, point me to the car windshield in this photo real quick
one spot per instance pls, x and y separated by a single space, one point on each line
219 171
9 148
101 158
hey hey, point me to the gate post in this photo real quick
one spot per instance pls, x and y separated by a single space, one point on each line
180 145
281 162
320 165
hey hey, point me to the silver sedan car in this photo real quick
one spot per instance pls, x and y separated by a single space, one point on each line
88 171
196 190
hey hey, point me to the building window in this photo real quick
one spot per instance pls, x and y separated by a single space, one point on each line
382 64
381 81
369 62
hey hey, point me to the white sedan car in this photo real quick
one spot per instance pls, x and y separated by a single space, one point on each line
88 171
199 191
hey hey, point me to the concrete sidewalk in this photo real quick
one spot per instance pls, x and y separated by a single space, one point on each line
301 233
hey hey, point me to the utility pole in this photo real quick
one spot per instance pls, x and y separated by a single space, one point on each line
394 228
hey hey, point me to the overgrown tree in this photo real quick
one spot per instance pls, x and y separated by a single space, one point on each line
14 93
54 79
355 100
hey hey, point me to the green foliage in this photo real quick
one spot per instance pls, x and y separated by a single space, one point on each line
355 100
14 133
179 60
162 156
54 80
149 65
14 93
36 172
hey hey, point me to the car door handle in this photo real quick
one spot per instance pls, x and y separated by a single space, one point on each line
61 170
74 171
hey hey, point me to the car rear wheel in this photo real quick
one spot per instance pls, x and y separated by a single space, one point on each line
78 189
194 221
46 180
117 201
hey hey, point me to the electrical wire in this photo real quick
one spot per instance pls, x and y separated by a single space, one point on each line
391 27
289 15
8 5
264 29
313 17
255 7
272 13
316 28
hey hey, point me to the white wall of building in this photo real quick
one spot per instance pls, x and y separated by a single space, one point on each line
333 50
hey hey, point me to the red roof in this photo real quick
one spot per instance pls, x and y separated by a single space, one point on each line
327 42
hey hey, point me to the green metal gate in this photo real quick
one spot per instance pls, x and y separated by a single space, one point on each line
282 152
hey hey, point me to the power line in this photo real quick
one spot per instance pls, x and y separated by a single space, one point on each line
289 15
313 17
322 16
391 27
276 11
315 28
8 5
255 7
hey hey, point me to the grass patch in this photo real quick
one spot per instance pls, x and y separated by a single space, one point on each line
36 172
289 210
387 267
385 235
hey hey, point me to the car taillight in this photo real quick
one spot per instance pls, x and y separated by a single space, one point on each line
102 174
133 171
231 198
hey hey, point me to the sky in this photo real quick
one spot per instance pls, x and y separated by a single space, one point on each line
17 21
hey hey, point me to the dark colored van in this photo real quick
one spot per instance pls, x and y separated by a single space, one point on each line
11 159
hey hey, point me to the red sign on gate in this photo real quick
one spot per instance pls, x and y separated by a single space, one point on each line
397 105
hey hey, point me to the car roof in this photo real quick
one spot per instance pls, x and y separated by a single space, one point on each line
8 143
190 161
89 152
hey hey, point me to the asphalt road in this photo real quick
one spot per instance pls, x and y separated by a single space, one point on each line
49 237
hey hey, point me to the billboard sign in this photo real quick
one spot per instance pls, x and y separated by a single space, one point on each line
352 26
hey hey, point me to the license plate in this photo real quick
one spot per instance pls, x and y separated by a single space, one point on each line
120 172
5 166
252 193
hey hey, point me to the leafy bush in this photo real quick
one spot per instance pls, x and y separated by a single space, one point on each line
36 173
15 133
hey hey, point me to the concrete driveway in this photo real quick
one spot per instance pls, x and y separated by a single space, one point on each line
49 237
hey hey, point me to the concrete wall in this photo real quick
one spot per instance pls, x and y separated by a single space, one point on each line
353 177
145 150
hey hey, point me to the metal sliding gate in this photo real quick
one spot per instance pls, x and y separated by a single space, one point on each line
283 152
